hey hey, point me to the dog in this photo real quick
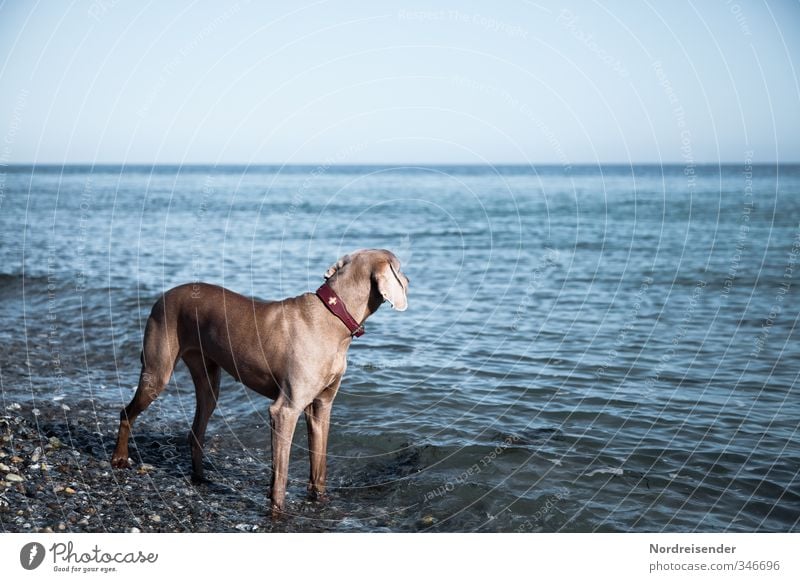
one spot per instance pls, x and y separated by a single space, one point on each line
292 351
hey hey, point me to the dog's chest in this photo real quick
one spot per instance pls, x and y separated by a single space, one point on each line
338 365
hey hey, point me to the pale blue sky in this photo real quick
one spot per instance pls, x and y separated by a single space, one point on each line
370 82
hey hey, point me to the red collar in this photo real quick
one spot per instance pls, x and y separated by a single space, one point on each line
336 306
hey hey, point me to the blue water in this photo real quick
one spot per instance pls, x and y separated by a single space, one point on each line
586 349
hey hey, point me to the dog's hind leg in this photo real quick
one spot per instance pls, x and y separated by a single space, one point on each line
206 375
159 357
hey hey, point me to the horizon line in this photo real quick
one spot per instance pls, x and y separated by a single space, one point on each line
329 164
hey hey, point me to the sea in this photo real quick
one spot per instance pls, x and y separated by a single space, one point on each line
599 348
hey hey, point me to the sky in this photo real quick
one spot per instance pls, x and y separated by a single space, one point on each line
111 81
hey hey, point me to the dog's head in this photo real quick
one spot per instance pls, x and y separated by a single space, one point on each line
381 268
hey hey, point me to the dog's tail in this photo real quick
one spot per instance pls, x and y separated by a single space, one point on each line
152 337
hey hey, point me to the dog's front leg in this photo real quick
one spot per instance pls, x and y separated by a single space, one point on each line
283 418
318 420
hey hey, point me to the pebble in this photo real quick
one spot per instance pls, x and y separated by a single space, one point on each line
69 491
37 454
428 520
155 518
55 442
145 467
134 530
62 526
14 478
16 460
4 468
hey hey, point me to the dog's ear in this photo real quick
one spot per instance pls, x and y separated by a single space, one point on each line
390 286
336 266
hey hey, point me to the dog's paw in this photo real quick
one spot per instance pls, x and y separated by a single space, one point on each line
277 513
200 480
120 462
317 497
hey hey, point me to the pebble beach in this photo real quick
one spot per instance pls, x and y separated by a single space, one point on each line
55 477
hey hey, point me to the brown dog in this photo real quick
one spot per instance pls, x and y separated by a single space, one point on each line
293 351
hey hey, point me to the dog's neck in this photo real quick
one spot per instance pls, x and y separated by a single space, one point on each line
357 294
